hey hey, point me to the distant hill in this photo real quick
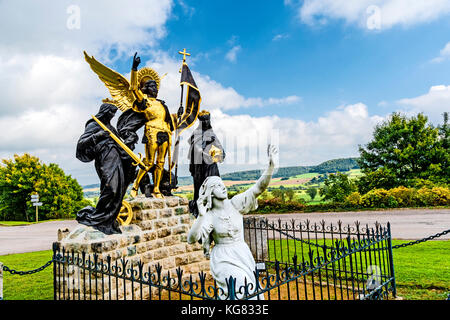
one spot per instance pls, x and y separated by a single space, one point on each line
329 166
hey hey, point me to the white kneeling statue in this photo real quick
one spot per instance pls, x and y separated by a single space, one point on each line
220 219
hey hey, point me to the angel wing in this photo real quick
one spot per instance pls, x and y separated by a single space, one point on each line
118 85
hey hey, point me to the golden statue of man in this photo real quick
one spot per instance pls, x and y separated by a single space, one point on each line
159 126
140 95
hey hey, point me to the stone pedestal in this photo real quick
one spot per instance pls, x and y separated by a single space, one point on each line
157 234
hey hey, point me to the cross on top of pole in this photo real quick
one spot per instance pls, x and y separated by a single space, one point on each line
184 53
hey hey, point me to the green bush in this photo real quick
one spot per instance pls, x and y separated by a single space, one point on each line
278 205
403 197
436 196
378 198
353 199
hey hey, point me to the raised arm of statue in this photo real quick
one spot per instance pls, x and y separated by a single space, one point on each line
134 86
264 180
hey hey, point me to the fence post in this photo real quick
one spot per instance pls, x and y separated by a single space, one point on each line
231 287
255 237
1 281
55 248
391 261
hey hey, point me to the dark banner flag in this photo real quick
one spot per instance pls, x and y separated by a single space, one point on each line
191 108
193 99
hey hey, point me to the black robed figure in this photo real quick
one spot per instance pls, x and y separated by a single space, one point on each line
204 153
114 168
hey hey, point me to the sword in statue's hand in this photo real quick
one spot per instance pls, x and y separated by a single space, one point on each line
135 157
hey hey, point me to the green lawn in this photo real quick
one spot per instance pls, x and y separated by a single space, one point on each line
37 286
15 223
24 223
422 272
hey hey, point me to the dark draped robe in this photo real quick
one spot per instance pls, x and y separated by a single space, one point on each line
115 170
201 163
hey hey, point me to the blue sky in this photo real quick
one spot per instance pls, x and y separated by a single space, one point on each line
326 66
312 76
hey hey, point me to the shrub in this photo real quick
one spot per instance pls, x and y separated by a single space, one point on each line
405 197
277 205
353 199
436 196
378 198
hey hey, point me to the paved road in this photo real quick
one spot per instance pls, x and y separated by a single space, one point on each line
405 224
35 237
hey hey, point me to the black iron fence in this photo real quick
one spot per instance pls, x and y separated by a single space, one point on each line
325 261
294 261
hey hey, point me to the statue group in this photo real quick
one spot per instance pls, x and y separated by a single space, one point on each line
218 219
112 149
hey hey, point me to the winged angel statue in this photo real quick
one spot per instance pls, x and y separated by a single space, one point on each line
137 99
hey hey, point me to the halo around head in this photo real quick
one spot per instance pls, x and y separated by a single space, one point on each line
147 73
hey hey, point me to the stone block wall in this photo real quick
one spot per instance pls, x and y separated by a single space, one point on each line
156 235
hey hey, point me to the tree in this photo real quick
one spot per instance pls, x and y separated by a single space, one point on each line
60 194
279 193
290 194
444 147
382 178
405 149
336 187
312 192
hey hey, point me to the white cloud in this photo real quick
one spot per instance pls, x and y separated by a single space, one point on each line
214 94
232 53
41 26
279 37
335 135
433 103
188 10
444 54
48 91
48 99
245 137
373 14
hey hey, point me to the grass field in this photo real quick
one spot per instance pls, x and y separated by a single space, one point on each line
422 272
24 223
38 286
